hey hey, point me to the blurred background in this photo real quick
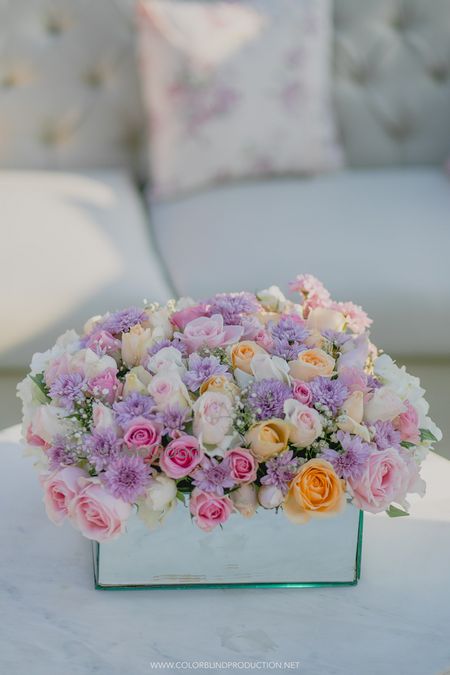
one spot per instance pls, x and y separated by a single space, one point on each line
171 147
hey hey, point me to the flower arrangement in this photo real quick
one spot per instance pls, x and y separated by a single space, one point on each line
240 402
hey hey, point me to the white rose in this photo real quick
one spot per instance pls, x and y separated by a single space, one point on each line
384 405
159 501
304 422
212 417
48 421
90 363
354 406
167 388
272 298
270 497
184 302
245 500
137 379
265 367
102 417
166 357
322 318
346 423
160 324
135 345
67 343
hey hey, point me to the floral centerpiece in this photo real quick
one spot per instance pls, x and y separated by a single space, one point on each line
240 402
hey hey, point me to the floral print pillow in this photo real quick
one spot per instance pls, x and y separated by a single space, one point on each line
236 90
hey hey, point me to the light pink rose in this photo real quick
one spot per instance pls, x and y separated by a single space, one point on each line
60 488
34 439
167 388
181 457
57 367
96 513
354 353
263 339
102 417
102 342
181 318
209 510
209 332
212 417
304 423
385 480
142 433
407 423
105 386
242 465
301 392
354 379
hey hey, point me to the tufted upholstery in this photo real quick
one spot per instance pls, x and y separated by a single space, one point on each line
69 95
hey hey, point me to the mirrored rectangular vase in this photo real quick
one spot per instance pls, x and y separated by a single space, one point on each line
266 550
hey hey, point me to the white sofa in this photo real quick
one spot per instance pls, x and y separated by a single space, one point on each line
77 238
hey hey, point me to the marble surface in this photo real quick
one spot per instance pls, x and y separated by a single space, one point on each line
395 622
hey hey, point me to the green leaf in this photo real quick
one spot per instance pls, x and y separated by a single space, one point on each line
181 497
407 444
395 512
41 385
426 435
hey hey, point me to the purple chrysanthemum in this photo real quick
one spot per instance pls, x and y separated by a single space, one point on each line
61 453
68 389
289 336
202 368
281 470
176 343
122 321
233 305
350 463
102 447
338 338
329 393
127 477
373 383
173 418
135 405
266 398
386 436
213 476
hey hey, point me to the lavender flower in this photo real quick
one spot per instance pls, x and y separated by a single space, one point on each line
232 305
135 405
176 343
122 321
202 368
350 463
61 454
329 393
386 436
266 398
289 336
127 477
173 418
213 476
102 447
336 337
281 470
68 389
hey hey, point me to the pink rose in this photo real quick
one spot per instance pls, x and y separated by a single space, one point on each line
263 339
354 379
34 439
142 433
59 490
57 367
301 392
181 318
209 332
105 386
181 457
386 479
407 423
209 510
96 513
242 465
102 342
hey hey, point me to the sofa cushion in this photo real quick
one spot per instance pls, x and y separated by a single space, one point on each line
379 238
73 245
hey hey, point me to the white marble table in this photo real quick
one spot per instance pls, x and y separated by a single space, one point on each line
395 622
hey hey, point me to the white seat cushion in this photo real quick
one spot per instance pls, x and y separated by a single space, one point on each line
380 238
73 245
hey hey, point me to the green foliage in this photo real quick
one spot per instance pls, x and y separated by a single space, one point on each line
426 435
41 385
395 512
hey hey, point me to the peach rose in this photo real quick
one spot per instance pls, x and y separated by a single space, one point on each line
268 438
221 384
323 318
242 354
245 500
315 491
310 364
